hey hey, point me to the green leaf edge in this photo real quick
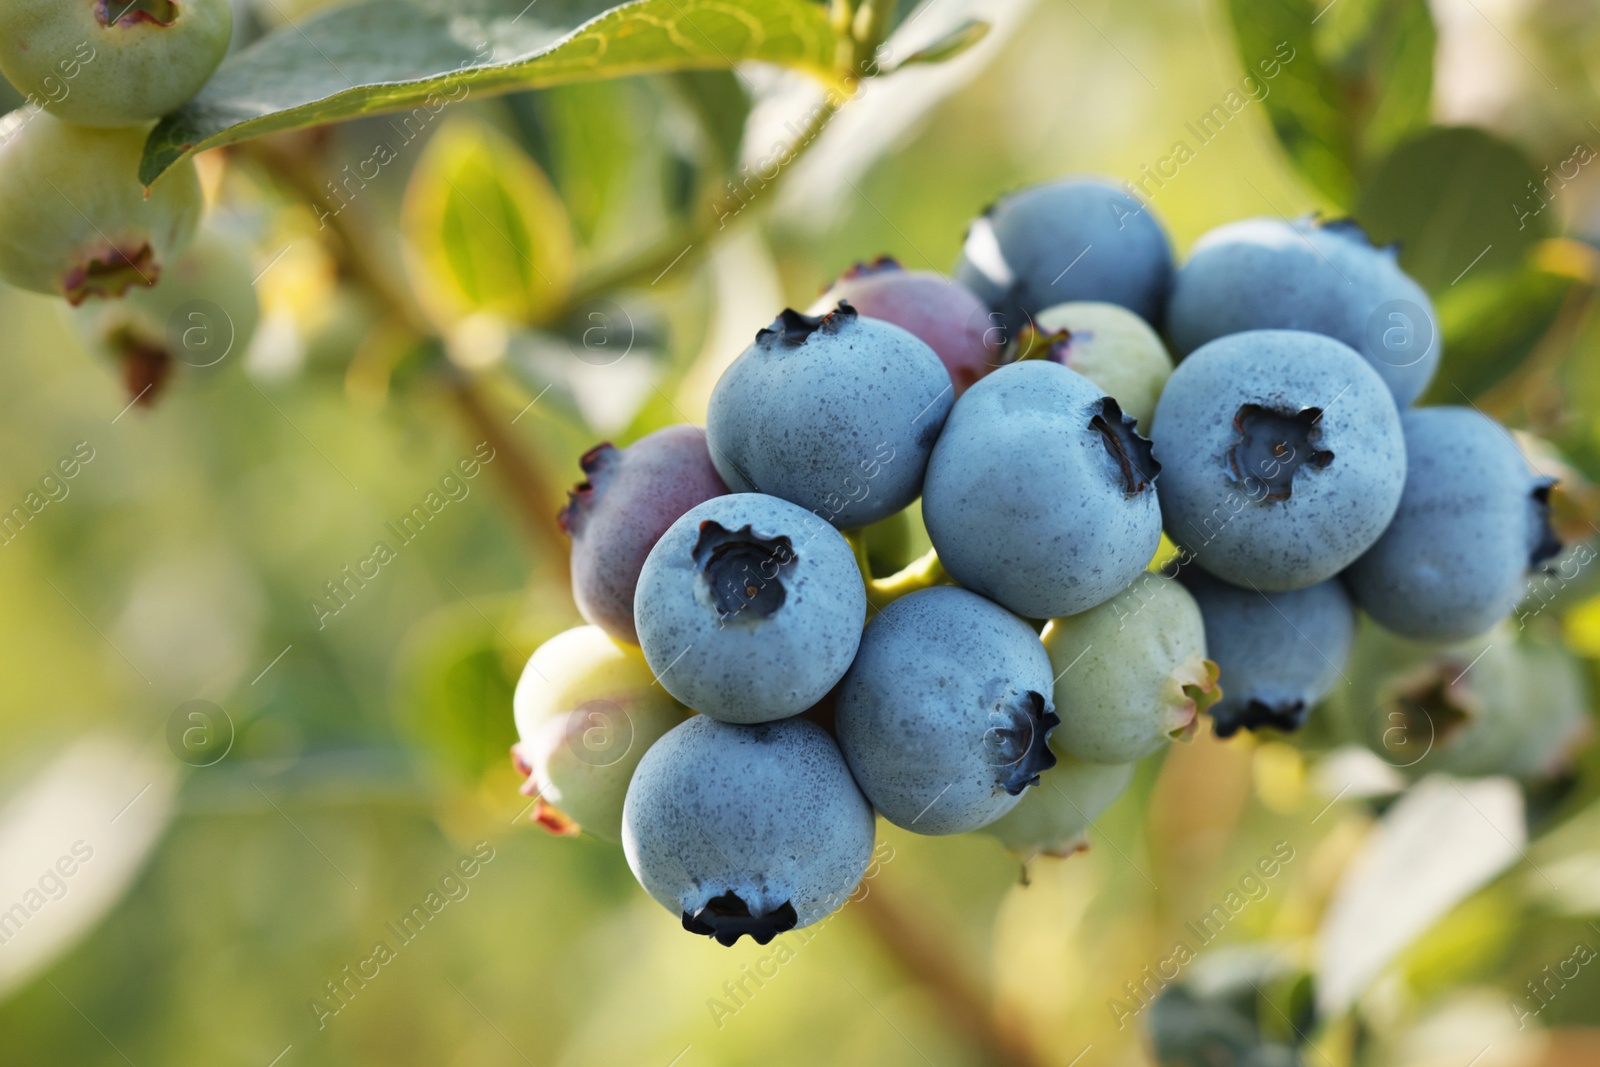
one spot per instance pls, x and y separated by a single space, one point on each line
383 97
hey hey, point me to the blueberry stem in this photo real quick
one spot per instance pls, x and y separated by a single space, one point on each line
533 496
920 952
922 573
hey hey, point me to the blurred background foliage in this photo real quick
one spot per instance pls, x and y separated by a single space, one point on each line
537 271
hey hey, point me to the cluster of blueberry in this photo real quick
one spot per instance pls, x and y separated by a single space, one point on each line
1040 645
75 220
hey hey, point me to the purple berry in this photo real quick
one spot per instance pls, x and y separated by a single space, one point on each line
629 498
946 315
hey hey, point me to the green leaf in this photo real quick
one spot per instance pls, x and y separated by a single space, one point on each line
719 100
587 138
1380 56
422 56
486 231
453 689
1459 202
1490 323
1343 81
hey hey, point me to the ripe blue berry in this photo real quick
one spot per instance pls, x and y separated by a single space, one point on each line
629 498
1473 520
750 608
1325 277
1040 495
944 314
1078 239
746 829
1279 653
1282 457
836 413
945 714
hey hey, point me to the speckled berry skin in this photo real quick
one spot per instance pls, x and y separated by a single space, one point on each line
836 414
1324 277
1131 675
1053 819
1079 239
1282 457
74 220
750 608
1279 653
746 829
946 315
587 710
112 62
946 713
629 498
1113 348
1039 495
1472 521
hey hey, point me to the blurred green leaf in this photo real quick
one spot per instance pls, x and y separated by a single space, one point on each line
1490 323
1380 56
1340 89
487 230
422 56
1456 199
574 133
453 690
718 99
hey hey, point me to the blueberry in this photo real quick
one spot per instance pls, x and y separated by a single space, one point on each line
946 712
1280 653
746 829
1499 703
74 219
1078 239
1113 348
202 313
1282 457
1473 520
836 413
944 314
1131 675
628 499
1052 819
750 608
113 62
1040 494
586 711
1324 277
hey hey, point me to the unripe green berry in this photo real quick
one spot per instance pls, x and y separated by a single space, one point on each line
112 62
587 710
74 220
1131 674
1501 703
204 310
1113 348
1051 819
